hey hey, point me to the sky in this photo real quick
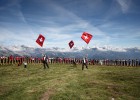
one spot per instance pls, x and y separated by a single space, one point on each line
111 22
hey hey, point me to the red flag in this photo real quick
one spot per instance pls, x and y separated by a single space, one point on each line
86 37
40 40
71 44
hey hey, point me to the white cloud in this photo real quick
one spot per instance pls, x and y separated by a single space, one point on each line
125 5
60 35
60 28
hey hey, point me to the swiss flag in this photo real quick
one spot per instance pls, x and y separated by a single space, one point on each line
40 40
71 44
86 37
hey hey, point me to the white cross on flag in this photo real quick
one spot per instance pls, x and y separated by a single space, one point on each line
71 44
40 40
86 37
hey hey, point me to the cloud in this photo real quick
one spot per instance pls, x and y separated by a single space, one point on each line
9 37
65 26
124 4
117 8
61 24
58 29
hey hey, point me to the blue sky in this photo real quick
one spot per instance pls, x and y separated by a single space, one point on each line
111 22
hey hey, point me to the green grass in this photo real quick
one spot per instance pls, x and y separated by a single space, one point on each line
65 82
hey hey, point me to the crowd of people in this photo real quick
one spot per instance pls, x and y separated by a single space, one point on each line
62 60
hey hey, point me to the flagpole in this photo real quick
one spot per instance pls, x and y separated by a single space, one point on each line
86 46
86 49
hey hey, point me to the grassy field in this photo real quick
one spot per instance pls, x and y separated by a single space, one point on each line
65 82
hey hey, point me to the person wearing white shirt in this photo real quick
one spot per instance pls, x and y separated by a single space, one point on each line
45 63
84 63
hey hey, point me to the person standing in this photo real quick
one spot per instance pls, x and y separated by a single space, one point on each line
45 63
74 62
84 63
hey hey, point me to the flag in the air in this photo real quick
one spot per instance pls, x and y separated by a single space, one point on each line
71 44
86 37
40 40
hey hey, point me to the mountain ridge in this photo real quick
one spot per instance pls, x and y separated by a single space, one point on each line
93 53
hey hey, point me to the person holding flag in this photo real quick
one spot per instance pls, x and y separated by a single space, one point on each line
45 63
84 63
86 37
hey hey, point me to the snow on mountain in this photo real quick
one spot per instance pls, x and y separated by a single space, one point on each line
15 48
57 49
3 48
109 48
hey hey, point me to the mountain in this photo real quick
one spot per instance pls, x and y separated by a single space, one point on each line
93 53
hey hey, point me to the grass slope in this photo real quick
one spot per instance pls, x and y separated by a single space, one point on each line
65 82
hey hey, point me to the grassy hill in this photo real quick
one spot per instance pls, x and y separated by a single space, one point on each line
66 82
